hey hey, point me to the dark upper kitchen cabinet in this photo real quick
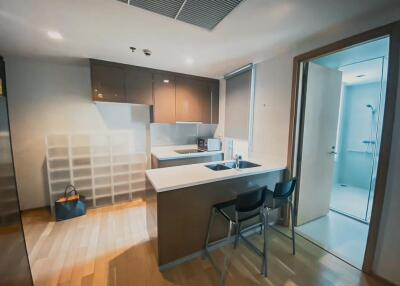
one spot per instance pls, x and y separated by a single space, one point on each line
173 97
193 100
139 85
164 98
107 82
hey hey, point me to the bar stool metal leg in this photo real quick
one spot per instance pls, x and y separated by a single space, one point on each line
210 225
293 233
264 269
228 255
237 235
261 223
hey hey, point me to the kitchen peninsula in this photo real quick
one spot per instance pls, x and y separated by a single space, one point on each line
179 200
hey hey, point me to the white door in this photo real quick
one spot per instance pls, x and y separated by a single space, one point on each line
322 99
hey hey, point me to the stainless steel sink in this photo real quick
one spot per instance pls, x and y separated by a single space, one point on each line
232 165
217 167
242 165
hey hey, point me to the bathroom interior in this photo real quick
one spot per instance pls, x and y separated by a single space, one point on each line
343 231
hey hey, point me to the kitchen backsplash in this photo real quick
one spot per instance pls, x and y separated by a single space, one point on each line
179 134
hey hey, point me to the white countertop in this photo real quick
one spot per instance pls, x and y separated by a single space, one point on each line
168 152
166 179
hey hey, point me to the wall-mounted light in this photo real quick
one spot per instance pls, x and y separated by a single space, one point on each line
166 80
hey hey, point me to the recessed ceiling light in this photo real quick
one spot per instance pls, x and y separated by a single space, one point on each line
54 35
189 61
360 75
166 80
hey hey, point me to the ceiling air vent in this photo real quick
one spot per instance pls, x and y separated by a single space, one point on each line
206 13
202 13
167 8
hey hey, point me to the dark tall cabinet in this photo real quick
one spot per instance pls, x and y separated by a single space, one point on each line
107 82
193 100
164 98
14 263
138 85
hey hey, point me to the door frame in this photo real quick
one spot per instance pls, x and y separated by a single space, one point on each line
296 123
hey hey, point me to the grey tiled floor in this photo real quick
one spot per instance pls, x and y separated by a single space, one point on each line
338 234
351 200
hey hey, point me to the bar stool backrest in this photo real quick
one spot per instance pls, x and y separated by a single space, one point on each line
251 201
284 190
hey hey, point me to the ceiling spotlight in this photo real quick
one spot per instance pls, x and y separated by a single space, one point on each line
132 49
360 75
189 61
147 52
166 80
54 35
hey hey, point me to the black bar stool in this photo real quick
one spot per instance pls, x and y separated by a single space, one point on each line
279 198
246 206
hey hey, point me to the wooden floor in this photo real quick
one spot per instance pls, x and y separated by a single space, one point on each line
110 246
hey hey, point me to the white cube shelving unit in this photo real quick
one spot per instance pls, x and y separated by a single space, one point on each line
102 166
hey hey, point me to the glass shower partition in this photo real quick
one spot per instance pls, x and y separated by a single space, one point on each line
377 122
359 133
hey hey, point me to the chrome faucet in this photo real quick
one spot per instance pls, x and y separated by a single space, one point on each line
237 159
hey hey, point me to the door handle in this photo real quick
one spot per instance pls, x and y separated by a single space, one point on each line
332 153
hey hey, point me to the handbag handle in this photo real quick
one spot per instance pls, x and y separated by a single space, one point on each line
72 190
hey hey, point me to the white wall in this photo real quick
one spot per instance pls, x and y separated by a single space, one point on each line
272 110
46 97
271 123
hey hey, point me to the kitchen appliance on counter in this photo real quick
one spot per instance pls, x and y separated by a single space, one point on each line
209 144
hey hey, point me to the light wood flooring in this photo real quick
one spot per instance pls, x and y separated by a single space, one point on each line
109 246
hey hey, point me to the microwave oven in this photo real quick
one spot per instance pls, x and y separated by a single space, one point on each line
208 144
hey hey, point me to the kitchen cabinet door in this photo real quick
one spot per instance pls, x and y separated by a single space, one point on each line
139 86
164 98
193 100
107 82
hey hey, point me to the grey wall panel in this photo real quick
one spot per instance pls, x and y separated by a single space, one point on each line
237 105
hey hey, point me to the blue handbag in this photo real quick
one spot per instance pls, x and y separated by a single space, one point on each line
71 205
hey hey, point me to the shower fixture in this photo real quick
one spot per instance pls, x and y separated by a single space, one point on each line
371 107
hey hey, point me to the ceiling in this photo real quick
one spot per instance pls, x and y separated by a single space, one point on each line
363 72
362 52
359 64
105 29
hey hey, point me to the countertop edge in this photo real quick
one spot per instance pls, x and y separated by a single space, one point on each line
180 186
184 156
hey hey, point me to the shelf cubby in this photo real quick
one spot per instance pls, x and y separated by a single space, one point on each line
103 166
